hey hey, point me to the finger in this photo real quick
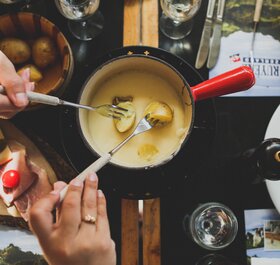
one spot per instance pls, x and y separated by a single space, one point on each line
25 75
102 223
89 201
30 86
15 89
7 115
7 105
13 83
40 215
59 185
70 210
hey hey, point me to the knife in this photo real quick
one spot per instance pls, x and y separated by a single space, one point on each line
257 15
217 34
205 37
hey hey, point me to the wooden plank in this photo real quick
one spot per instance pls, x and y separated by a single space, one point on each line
130 233
129 216
140 27
131 23
150 23
130 213
151 232
151 211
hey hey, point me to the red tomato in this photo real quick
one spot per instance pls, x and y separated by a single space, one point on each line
10 179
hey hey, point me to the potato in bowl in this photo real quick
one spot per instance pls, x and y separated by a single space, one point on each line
30 40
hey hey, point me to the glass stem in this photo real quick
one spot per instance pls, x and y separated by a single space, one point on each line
28 4
84 23
176 23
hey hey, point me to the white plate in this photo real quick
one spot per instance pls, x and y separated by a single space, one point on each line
273 131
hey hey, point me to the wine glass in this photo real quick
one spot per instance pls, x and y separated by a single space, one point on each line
211 225
85 20
176 20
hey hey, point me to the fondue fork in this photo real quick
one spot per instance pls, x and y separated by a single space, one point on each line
106 110
144 125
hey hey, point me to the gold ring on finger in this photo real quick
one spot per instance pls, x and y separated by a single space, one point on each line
89 219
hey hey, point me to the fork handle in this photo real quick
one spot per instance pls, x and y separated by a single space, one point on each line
94 167
38 97
42 98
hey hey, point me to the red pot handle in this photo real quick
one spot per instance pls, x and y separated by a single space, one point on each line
238 79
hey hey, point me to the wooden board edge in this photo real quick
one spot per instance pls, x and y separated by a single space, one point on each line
131 23
129 232
151 232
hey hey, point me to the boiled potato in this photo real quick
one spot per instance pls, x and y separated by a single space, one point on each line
147 151
43 52
35 74
160 111
126 122
15 49
117 100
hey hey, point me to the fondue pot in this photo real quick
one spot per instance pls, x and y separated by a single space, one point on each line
239 79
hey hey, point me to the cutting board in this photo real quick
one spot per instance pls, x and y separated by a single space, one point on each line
48 159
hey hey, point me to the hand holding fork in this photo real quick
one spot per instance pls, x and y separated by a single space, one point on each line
106 110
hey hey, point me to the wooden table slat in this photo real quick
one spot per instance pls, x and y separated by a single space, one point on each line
131 23
151 232
150 23
130 232
140 28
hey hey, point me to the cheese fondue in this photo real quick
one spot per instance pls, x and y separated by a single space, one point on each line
144 87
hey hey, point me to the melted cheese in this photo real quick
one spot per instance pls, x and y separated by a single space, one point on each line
144 87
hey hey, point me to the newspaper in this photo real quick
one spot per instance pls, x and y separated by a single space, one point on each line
262 233
236 42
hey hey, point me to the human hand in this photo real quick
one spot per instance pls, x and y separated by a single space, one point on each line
70 240
15 86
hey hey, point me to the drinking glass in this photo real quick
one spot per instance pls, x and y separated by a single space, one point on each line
85 20
211 225
176 20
